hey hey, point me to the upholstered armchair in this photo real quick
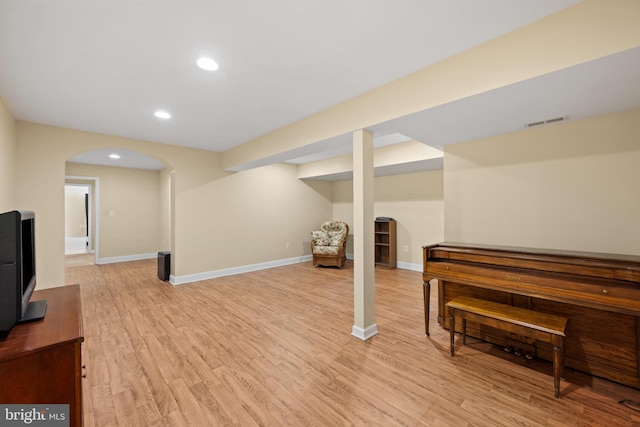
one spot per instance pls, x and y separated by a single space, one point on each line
329 244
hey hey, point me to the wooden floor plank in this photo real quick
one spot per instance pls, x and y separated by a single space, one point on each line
274 347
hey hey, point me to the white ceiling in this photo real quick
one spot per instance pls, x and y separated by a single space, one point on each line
603 86
107 66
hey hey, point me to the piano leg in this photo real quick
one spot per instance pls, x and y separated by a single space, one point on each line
426 295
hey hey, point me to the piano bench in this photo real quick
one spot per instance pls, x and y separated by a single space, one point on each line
543 327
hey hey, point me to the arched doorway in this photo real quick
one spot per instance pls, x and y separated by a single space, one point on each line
130 204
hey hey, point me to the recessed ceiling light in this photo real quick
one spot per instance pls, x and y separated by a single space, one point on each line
114 156
207 64
162 115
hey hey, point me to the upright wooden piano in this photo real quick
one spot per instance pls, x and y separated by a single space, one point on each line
598 293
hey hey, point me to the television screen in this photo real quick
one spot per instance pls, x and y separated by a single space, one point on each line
18 270
28 253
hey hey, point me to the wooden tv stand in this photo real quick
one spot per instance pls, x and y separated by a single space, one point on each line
40 361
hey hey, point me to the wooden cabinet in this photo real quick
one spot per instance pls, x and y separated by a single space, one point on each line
385 243
40 361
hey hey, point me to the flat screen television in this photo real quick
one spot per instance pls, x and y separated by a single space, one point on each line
18 270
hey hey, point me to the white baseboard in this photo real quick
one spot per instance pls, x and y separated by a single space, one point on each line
410 266
366 333
181 280
126 258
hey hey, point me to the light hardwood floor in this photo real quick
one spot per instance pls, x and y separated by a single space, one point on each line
76 260
274 348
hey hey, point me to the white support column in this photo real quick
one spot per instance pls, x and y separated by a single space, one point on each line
363 235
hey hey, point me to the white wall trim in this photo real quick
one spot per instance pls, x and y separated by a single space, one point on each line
126 258
409 266
366 333
196 277
181 280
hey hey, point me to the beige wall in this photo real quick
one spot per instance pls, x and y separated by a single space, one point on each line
221 220
130 209
542 187
568 186
414 200
40 188
7 159
249 217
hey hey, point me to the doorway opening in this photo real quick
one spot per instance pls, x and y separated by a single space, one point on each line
78 236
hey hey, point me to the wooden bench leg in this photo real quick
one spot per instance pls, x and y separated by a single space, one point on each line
562 362
452 329
464 331
557 369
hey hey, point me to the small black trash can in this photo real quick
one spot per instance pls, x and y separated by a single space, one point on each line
164 265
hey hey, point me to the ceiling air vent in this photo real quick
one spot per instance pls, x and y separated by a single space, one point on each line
547 122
